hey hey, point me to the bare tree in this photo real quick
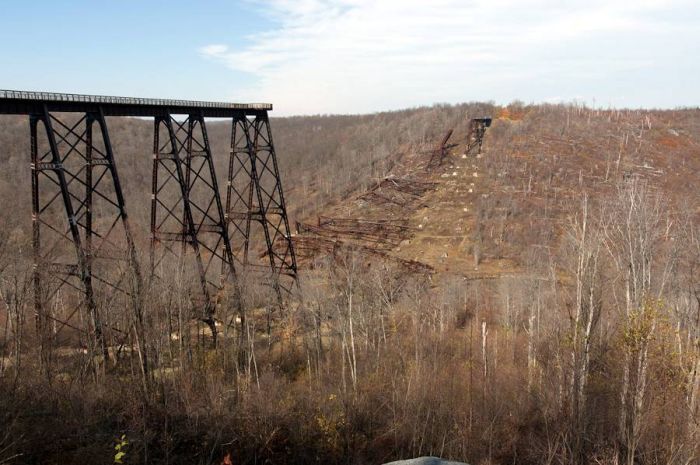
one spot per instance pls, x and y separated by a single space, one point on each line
584 239
634 243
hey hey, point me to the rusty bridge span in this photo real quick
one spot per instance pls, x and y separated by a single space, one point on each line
83 242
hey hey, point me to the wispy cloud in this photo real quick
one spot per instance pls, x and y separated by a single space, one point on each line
367 55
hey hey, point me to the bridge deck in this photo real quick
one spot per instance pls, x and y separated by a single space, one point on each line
16 102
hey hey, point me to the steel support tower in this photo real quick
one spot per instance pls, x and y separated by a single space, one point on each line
475 137
186 209
255 203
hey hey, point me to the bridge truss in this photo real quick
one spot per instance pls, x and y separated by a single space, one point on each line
85 257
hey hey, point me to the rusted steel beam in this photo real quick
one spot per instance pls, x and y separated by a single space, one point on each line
398 191
312 246
397 224
440 152
384 233
377 239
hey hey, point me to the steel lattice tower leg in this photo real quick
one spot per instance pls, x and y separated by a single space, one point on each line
186 208
255 197
75 181
475 138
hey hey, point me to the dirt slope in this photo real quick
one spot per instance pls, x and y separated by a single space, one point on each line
489 213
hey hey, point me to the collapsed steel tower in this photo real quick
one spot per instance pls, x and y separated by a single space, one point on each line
82 238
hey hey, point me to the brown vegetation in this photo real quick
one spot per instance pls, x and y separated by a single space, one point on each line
561 323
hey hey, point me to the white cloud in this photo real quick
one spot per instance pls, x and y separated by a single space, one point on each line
342 56
214 50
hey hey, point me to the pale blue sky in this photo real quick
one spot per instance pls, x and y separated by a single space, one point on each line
350 56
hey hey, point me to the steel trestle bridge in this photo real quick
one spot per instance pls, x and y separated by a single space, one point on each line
82 239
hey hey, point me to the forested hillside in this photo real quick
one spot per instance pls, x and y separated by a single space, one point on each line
538 302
